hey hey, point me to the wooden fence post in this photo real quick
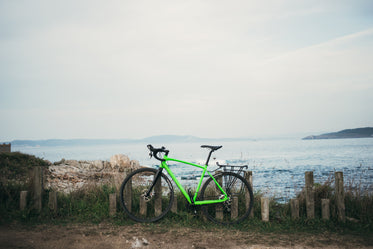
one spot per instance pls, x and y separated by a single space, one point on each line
23 200
325 209
234 208
52 201
143 207
219 207
174 204
128 191
158 197
310 195
112 204
294 206
249 178
265 208
340 196
38 183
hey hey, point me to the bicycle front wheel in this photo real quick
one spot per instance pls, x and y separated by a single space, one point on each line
142 207
240 201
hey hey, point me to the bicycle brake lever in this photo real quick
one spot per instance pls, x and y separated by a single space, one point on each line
151 154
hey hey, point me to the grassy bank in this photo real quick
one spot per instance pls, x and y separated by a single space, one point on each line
91 205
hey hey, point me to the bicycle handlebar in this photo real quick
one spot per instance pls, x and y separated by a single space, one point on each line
154 152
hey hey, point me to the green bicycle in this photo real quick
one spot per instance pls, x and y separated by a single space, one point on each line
147 194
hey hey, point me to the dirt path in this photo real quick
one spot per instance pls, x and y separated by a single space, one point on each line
107 236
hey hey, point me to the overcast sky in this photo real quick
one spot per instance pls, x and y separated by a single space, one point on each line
209 68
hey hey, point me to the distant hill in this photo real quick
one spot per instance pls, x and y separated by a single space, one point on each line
349 133
170 139
155 139
67 142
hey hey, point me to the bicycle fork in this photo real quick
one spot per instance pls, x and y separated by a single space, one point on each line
156 177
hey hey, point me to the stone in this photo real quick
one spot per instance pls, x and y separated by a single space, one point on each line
98 164
71 175
72 163
106 165
120 161
59 162
134 164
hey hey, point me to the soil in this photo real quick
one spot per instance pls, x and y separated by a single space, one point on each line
107 236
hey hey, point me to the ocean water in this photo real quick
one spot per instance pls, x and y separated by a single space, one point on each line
278 166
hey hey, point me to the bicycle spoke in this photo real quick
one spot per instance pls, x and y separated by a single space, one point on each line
240 201
141 204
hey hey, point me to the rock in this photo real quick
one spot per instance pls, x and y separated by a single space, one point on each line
120 161
98 164
72 163
137 243
134 164
59 162
71 175
145 242
106 164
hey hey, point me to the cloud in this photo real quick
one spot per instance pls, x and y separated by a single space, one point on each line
343 61
247 64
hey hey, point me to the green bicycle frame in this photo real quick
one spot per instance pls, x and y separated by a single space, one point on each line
204 168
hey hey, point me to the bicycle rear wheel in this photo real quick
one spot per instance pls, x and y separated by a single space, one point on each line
240 201
140 207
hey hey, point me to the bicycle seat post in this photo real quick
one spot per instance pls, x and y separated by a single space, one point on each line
212 149
208 158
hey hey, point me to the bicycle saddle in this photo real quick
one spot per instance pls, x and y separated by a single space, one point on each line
211 147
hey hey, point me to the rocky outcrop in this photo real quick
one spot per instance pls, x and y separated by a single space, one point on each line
71 175
366 132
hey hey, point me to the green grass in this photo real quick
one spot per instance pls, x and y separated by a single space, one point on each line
16 165
92 205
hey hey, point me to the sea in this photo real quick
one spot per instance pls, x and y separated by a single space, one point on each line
278 165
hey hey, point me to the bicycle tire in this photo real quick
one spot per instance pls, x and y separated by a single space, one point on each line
133 201
237 207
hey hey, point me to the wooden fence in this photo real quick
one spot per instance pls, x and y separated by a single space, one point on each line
309 192
310 200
